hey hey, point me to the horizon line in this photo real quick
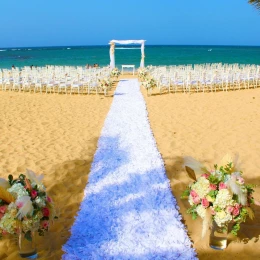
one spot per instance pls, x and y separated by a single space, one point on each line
107 45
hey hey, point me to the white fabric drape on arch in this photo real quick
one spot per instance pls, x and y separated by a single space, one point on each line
112 50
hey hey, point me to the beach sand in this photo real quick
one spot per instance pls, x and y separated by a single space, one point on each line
55 135
207 127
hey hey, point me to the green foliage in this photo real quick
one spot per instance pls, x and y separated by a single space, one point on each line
28 235
227 169
235 229
213 193
243 214
10 179
250 187
185 194
218 209
193 212
41 232
256 3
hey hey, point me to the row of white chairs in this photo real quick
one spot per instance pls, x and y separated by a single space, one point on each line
54 79
205 77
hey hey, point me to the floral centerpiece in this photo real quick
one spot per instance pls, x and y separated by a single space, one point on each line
115 73
142 73
149 83
218 195
25 206
105 83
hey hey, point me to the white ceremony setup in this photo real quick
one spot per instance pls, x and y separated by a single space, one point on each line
129 210
125 42
171 79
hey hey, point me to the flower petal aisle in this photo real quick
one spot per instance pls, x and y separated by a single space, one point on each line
128 211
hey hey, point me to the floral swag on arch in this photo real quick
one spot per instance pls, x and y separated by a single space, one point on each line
112 50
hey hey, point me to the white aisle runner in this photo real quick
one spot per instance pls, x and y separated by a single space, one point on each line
128 211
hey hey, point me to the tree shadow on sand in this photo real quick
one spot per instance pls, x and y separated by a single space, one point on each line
67 191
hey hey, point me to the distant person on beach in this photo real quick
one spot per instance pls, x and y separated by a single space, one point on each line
87 66
13 67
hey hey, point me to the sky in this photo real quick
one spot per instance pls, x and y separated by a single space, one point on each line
32 23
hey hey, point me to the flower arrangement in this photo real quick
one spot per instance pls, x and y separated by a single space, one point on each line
115 73
105 83
25 205
219 195
142 73
149 83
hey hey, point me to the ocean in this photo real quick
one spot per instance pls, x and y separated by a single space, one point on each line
128 54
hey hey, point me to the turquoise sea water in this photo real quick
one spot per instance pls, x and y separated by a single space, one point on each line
125 54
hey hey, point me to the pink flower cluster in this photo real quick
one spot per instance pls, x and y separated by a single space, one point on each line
234 210
222 186
195 197
2 210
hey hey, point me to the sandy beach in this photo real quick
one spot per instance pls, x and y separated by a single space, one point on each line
57 135
207 127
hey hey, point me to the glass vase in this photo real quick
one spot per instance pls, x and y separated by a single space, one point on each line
218 237
27 245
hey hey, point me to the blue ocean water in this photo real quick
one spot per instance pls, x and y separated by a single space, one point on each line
128 54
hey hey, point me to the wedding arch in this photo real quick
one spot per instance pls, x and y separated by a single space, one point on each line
112 50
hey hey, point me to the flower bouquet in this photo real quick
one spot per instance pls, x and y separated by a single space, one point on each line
25 206
149 83
142 73
219 195
105 84
115 73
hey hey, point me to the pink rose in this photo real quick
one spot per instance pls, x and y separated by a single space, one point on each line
45 224
238 206
193 193
213 186
222 186
235 211
196 200
34 194
205 175
229 209
45 212
19 204
240 180
205 202
3 209
49 199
